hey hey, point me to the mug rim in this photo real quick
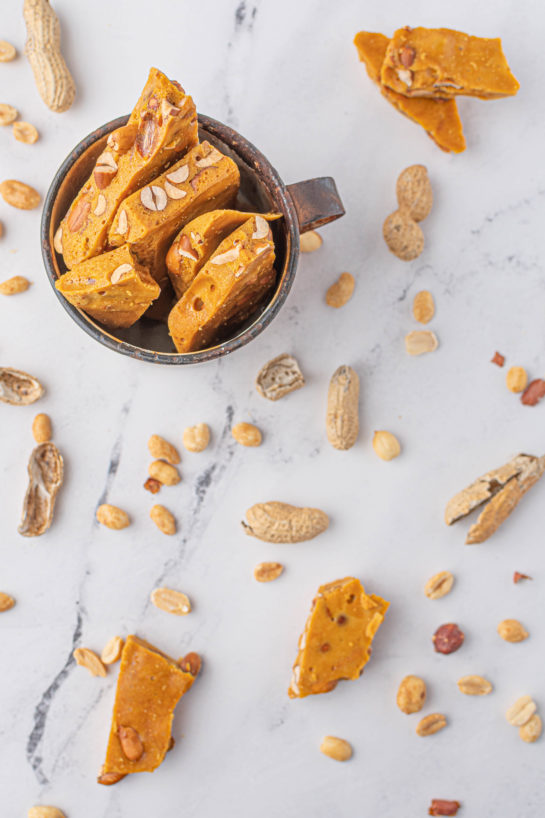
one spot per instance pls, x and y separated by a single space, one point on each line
269 176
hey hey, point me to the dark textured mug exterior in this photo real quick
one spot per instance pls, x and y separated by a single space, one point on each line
295 203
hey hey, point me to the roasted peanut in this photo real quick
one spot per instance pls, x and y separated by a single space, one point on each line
448 638
310 241
191 663
196 438
420 341
268 571
163 519
531 731
423 307
521 711
131 743
41 428
474 686
165 473
516 379
8 114
336 748
439 585
512 630
386 445
246 434
88 659
283 523
45 812
431 724
25 132
411 695
43 50
112 517
18 194
342 417
15 285
161 449
341 291
112 650
173 602
6 602
7 51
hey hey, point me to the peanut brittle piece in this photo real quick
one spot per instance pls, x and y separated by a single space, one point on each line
114 287
149 686
162 126
442 63
205 179
439 118
227 290
336 642
196 242
501 490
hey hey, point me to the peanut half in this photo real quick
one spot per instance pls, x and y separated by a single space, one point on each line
163 519
341 291
161 449
336 748
8 114
474 686
310 241
45 812
196 438
41 428
439 585
420 341
18 194
531 731
173 602
25 132
342 418
268 571
165 473
112 517
112 650
431 724
43 50
516 379
246 434
14 285
88 659
521 711
8 51
511 630
423 307
386 445
411 695
6 602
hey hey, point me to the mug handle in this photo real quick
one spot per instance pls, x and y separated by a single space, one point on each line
316 202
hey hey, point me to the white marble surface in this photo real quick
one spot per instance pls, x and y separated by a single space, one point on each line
287 76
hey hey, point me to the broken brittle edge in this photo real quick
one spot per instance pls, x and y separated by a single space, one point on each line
502 488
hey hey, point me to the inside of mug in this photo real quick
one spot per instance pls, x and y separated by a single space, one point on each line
254 196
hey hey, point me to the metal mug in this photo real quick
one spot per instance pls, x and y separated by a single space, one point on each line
303 206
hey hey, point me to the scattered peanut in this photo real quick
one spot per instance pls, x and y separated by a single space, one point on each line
246 434
112 517
336 748
386 445
14 285
173 602
512 631
403 236
531 731
163 519
8 114
342 416
7 51
439 585
161 449
196 438
431 724
341 291
153 486
45 812
310 241
284 523
414 193
521 711
279 377
25 132
420 341
112 650
41 428
411 694
18 194
88 659
165 473
43 50
516 379
423 307
6 602
474 686
268 571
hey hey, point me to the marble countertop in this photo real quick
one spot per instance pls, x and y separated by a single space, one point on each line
287 76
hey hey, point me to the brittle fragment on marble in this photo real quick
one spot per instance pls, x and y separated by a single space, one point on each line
45 475
501 491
